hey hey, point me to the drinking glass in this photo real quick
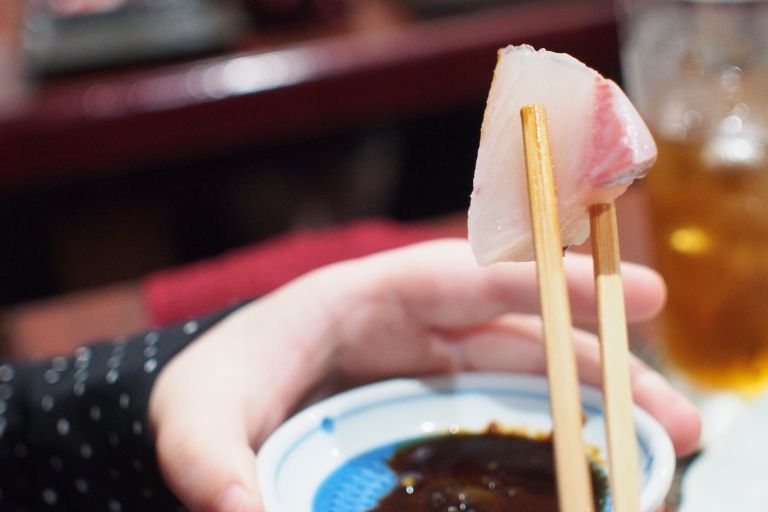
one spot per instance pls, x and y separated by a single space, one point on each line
698 72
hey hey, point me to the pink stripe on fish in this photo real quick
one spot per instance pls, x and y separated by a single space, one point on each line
609 155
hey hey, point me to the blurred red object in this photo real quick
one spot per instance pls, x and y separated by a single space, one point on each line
174 295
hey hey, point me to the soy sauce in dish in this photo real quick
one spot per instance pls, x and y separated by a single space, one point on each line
491 471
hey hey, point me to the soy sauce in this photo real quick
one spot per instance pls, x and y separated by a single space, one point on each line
487 472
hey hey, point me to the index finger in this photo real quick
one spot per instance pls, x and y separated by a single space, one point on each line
441 283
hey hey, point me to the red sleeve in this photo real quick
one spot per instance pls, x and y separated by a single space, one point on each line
198 289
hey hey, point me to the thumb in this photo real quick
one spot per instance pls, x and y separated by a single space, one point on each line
208 462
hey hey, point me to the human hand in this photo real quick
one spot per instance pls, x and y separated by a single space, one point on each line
427 308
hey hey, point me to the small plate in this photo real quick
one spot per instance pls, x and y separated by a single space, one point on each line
731 473
299 456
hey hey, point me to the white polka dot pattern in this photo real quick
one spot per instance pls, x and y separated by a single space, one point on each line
6 392
47 403
50 497
190 327
150 365
74 432
6 373
62 426
81 486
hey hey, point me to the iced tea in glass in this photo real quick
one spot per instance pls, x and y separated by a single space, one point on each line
699 73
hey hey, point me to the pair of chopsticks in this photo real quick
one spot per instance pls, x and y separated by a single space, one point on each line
573 481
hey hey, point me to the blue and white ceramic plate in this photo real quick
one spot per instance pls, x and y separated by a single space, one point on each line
331 457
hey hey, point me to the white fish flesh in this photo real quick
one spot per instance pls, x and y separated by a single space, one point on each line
598 141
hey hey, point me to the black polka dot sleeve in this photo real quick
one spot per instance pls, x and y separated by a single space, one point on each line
74 433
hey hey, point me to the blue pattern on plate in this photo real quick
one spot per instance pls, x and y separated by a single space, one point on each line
328 425
359 484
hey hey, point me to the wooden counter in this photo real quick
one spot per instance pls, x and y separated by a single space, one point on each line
378 64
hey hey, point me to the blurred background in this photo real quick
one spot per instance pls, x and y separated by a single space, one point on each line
138 136
163 158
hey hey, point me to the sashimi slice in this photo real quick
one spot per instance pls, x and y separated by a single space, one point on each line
598 141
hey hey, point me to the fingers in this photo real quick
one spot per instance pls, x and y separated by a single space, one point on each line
206 458
644 289
514 344
201 431
441 283
225 392
675 412
209 464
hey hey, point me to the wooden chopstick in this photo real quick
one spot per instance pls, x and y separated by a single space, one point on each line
614 353
572 470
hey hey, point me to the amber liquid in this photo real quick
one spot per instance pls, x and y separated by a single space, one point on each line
711 237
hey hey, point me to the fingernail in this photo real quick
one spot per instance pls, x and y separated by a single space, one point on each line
233 499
